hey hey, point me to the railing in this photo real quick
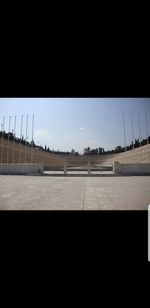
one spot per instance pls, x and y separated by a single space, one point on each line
87 169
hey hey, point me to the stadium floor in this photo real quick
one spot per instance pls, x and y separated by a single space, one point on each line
74 193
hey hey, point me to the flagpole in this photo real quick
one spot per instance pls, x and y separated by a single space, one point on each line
139 128
132 129
8 140
148 123
32 139
26 138
146 126
20 137
14 139
124 130
2 138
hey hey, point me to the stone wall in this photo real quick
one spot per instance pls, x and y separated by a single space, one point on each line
131 169
19 169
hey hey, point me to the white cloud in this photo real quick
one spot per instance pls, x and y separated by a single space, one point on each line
82 128
42 132
43 136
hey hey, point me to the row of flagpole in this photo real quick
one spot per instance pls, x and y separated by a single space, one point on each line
139 124
26 136
14 135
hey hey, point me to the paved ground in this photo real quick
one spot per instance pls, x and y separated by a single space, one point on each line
74 193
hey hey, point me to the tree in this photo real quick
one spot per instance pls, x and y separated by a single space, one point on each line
72 151
118 149
87 151
137 143
144 141
94 151
33 143
101 150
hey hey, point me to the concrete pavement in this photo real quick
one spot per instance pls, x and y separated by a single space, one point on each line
74 193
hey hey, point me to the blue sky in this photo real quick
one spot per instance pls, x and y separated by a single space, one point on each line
66 123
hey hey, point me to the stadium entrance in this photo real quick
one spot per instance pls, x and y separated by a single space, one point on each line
80 170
